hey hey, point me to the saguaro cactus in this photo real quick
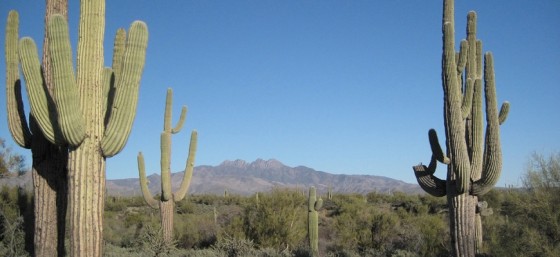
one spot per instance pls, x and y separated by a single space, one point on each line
473 163
166 203
49 161
313 221
90 112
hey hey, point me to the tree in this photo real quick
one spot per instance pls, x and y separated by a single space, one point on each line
542 174
10 163
542 180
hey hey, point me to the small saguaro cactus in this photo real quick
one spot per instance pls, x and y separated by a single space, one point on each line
473 162
166 203
313 206
90 109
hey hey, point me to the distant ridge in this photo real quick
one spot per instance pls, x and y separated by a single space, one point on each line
243 178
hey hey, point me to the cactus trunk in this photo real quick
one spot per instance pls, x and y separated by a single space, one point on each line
50 188
86 171
462 225
167 211
86 165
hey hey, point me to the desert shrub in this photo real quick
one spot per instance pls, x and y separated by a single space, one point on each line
123 228
433 232
233 247
526 221
279 221
195 230
12 223
151 242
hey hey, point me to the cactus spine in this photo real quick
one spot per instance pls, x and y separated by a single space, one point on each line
49 161
166 203
313 221
62 117
473 163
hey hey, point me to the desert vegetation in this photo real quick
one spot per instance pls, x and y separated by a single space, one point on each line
525 222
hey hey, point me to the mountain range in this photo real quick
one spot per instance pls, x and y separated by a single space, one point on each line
244 178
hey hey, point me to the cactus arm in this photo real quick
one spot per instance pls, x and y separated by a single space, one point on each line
425 175
318 204
462 57
70 121
144 183
452 91
17 122
181 121
118 51
166 193
427 181
437 152
125 101
108 77
109 74
467 98
189 167
169 112
476 132
504 111
492 163
39 101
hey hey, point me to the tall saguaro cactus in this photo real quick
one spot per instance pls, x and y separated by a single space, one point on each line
474 160
166 203
49 160
90 111
313 221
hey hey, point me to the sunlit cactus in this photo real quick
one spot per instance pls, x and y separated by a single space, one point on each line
473 159
166 202
89 109
49 161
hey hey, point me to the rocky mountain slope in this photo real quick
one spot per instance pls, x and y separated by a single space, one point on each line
241 177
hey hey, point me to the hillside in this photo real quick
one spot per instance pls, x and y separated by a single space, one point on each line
241 177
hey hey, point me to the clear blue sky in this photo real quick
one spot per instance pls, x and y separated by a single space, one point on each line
340 86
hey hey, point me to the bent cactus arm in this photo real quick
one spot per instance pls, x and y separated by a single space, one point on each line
144 183
189 167
17 122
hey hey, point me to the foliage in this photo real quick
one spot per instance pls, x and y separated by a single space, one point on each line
12 222
381 225
10 163
280 213
528 219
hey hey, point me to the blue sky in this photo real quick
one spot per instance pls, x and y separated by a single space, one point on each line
340 86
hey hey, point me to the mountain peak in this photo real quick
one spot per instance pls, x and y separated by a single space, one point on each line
237 163
259 163
268 164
